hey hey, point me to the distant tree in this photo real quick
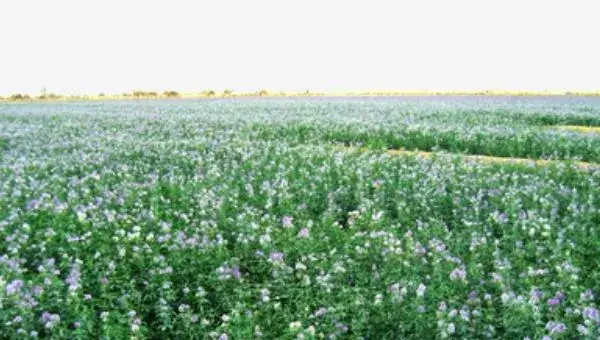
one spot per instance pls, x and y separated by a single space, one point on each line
263 92
43 94
170 93
101 95
227 92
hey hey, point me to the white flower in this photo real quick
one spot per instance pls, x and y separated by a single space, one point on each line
378 299
421 290
451 328
377 216
300 266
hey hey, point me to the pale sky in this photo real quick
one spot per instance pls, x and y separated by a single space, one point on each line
114 46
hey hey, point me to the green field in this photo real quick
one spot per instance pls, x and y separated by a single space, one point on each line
303 218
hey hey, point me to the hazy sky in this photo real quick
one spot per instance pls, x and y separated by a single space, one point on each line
85 46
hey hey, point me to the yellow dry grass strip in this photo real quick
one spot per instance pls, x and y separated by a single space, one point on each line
577 128
485 159
220 94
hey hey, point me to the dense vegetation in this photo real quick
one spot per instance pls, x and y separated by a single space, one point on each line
239 219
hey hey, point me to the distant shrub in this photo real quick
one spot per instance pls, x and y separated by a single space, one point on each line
101 95
227 92
144 94
125 94
170 93
208 93
49 96
263 92
19 96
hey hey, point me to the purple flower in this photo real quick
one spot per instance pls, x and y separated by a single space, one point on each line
553 301
225 272
555 327
557 299
536 295
458 274
582 330
224 336
587 295
496 278
276 256
73 278
46 317
33 204
287 221
235 271
321 311
342 327
135 324
14 287
49 320
304 233
473 297
503 218
419 249
591 313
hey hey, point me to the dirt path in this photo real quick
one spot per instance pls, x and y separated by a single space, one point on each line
485 159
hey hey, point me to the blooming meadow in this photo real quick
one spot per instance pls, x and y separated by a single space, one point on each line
247 219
